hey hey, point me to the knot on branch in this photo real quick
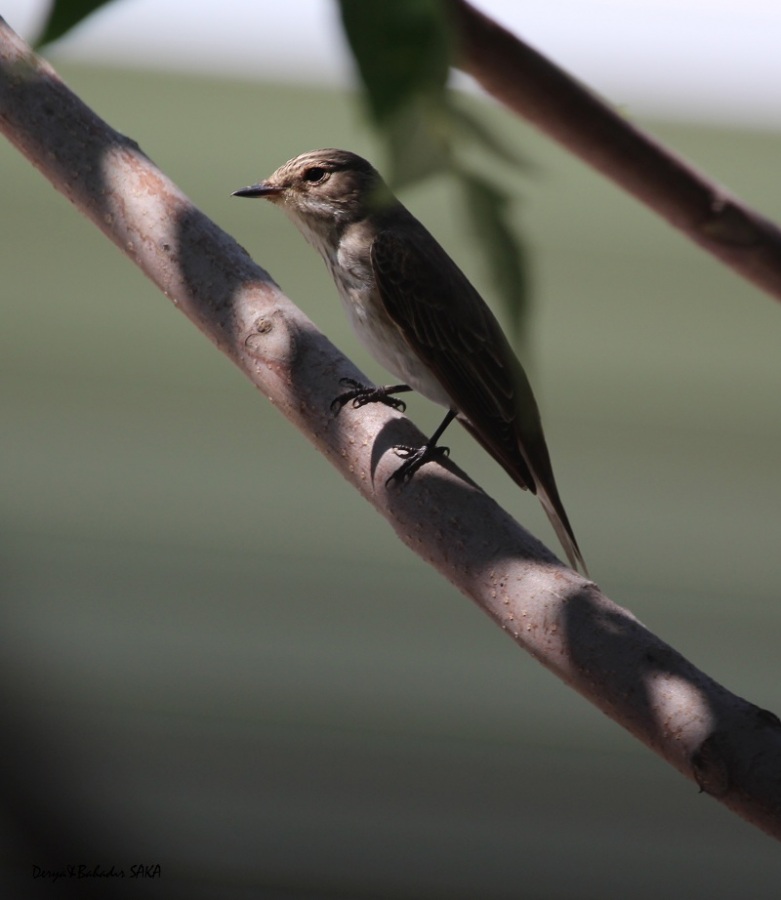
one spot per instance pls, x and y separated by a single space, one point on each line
728 223
709 766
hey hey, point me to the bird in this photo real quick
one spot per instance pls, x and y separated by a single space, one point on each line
420 317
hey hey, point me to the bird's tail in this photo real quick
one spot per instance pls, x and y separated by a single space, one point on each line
530 468
554 510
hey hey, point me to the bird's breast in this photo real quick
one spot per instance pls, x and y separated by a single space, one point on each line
381 336
348 259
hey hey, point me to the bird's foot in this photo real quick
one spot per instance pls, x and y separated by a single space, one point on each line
360 394
415 457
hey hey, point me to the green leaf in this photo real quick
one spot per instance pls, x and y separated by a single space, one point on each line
63 15
402 49
487 213
418 142
469 123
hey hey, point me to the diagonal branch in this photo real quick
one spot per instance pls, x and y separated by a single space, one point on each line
538 90
730 747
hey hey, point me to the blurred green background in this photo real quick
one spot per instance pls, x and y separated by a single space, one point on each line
216 657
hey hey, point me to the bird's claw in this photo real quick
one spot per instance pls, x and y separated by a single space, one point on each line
360 394
415 457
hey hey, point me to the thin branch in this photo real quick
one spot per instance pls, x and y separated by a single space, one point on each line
539 91
730 747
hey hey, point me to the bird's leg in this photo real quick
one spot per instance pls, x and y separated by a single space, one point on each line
415 457
360 394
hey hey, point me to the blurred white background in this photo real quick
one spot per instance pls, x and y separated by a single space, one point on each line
700 60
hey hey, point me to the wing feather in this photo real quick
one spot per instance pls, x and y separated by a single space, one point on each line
452 330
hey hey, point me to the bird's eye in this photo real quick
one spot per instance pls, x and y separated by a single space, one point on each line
315 174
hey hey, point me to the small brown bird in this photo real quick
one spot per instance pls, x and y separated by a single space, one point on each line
420 317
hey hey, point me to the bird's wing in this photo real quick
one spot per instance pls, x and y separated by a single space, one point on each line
455 334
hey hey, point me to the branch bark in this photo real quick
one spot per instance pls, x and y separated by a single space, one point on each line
561 107
729 747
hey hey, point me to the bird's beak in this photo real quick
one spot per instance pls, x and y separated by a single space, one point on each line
262 189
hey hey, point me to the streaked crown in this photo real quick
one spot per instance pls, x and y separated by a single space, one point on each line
328 184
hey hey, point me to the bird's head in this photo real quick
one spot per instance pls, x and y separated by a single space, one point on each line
333 186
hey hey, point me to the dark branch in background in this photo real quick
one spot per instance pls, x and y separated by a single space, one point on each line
539 91
729 747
